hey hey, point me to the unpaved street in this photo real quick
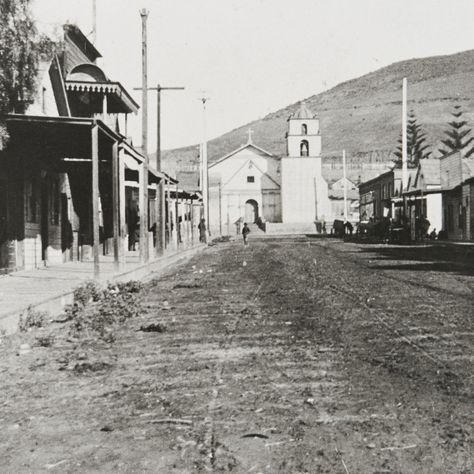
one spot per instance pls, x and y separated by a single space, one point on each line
288 356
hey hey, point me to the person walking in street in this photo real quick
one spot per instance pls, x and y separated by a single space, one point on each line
245 232
202 231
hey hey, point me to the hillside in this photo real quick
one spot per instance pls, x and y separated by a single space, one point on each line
363 115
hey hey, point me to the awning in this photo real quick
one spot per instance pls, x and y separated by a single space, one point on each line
424 192
63 142
169 179
123 102
57 142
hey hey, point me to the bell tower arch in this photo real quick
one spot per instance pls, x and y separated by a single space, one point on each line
303 137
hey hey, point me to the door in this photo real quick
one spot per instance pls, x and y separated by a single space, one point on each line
251 211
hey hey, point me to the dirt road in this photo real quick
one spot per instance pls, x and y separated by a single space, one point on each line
288 356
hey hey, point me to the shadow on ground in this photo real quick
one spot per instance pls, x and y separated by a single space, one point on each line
430 257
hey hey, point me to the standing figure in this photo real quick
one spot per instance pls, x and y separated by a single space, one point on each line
245 232
202 231
349 227
133 228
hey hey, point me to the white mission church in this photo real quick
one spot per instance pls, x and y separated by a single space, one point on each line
288 193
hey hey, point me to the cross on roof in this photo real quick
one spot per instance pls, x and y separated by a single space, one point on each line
250 133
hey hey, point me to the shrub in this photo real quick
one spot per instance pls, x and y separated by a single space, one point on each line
45 341
86 293
30 319
97 311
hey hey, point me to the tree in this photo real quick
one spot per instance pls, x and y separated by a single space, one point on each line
417 148
18 55
458 135
21 48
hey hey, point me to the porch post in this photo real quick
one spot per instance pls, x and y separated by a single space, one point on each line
177 218
166 213
191 221
95 197
116 204
188 229
171 235
143 204
122 219
104 107
160 218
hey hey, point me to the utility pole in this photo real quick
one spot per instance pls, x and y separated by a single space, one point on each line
205 171
94 22
144 181
404 136
160 191
345 183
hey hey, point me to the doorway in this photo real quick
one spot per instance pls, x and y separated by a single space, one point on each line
251 211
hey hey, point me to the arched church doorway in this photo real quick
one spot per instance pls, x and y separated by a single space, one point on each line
251 211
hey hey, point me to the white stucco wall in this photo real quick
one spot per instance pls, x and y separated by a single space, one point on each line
236 190
434 211
314 143
294 126
301 177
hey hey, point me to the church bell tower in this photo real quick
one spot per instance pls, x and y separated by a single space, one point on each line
304 192
304 137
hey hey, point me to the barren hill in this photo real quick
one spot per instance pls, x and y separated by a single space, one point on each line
363 115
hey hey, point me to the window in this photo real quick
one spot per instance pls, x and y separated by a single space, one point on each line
304 148
304 129
31 200
250 179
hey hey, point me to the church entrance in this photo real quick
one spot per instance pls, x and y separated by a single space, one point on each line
251 211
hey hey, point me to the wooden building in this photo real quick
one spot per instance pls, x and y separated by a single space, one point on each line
457 188
69 175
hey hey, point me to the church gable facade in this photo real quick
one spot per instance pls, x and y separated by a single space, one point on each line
244 185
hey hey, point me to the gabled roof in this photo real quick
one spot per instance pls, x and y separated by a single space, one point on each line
243 147
467 168
352 194
376 178
430 169
341 181
257 167
80 40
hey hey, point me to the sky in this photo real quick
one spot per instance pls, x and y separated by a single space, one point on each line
253 57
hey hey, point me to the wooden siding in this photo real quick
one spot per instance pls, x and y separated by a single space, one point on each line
451 170
73 56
